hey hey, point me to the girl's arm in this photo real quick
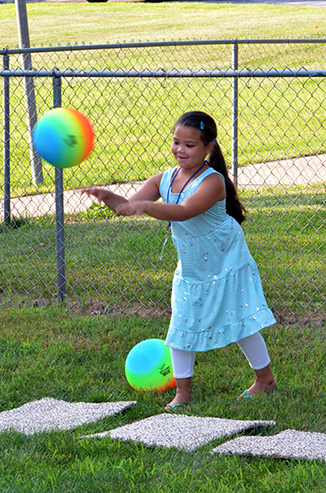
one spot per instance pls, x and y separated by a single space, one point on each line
211 190
148 192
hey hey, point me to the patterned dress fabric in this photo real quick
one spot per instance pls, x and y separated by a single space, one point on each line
217 296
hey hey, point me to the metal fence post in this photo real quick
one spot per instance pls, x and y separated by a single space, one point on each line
59 211
235 51
29 89
6 141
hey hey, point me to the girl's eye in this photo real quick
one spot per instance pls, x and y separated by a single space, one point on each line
189 145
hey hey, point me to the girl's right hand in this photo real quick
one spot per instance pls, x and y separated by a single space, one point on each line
99 193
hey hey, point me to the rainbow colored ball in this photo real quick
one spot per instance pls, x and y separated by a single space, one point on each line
64 137
149 367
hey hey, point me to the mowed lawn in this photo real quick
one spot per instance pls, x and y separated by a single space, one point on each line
53 352
63 23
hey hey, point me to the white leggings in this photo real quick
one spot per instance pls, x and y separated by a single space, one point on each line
253 347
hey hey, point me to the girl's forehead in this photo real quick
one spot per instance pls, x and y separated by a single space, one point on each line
186 132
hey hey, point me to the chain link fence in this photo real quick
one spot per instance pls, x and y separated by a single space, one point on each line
268 99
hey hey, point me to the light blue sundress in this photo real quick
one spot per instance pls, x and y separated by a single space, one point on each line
217 296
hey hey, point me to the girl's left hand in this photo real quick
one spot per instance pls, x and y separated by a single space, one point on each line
137 207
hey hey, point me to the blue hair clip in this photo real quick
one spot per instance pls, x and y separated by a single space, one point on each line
215 141
201 125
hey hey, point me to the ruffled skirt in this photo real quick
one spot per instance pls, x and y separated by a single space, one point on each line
217 296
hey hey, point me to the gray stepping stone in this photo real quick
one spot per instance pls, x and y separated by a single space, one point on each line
289 444
48 414
181 431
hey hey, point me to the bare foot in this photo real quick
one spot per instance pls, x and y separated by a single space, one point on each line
257 388
265 382
178 401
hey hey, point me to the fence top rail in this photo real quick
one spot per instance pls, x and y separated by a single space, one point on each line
164 73
149 44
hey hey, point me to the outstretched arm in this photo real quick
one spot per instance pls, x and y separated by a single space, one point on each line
210 191
148 192
102 195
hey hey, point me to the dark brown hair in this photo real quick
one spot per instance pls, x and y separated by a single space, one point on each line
208 133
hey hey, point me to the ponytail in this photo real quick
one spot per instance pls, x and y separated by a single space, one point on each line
233 205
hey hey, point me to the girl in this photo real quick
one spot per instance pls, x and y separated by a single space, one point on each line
217 296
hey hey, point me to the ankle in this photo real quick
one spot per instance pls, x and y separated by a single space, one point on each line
183 393
183 388
265 376
265 381
183 396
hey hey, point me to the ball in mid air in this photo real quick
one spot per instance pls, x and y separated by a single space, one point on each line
64 137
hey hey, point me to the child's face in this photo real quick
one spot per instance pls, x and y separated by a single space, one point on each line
188 148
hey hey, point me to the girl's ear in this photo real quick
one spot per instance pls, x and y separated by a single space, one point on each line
209 147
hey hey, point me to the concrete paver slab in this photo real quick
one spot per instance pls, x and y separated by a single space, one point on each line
180 431
48 414
289 444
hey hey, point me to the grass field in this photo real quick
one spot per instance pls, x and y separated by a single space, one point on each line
124 21
83 360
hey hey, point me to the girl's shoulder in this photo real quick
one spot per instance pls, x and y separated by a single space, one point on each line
166 177
169 172
208 172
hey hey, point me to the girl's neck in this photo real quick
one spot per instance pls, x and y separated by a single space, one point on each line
182 177
196 170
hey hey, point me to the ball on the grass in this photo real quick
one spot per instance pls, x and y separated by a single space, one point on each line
64 137
149 367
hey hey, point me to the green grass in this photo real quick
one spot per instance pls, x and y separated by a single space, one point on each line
128 21
84 361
